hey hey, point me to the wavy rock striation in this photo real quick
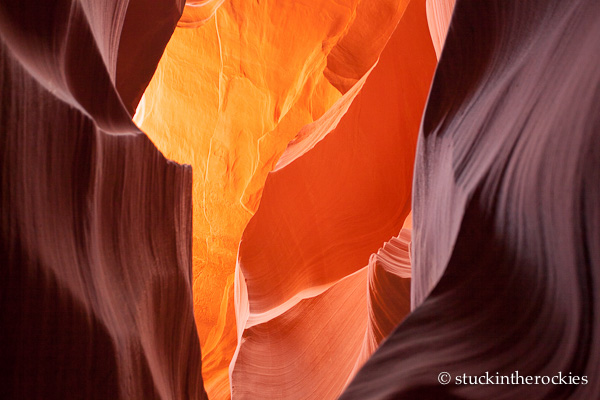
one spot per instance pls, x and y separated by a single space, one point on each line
439 13
388 292
506 262
95 228
305 301
238 80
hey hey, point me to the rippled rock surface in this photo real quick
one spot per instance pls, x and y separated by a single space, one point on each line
95 228
506 235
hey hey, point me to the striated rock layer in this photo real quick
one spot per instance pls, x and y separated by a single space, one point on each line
506 255
308 310
439 13
95 224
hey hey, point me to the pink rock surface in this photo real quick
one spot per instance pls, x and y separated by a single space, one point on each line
388 292
439 13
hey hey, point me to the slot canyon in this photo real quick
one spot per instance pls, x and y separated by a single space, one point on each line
311 199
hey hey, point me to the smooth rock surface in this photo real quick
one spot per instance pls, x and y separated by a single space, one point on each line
237 82
340 191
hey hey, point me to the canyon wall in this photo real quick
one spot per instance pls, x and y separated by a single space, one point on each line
95 229
506 207
309 298
350 228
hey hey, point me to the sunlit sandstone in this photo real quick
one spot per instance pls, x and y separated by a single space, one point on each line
236 83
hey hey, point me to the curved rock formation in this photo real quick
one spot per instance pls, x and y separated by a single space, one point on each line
95 228
197 12
99 253
388 292
341 189
227 98
506 262
364 39
438 18
323 336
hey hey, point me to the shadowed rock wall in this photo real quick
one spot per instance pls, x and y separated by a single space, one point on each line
95 228
506 239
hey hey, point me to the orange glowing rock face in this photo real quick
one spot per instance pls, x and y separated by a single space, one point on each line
237 82
198 12
314 301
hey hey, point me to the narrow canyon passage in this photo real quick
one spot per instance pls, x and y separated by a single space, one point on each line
311 199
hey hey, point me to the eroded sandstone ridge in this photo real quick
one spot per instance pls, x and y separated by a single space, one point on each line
95 229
